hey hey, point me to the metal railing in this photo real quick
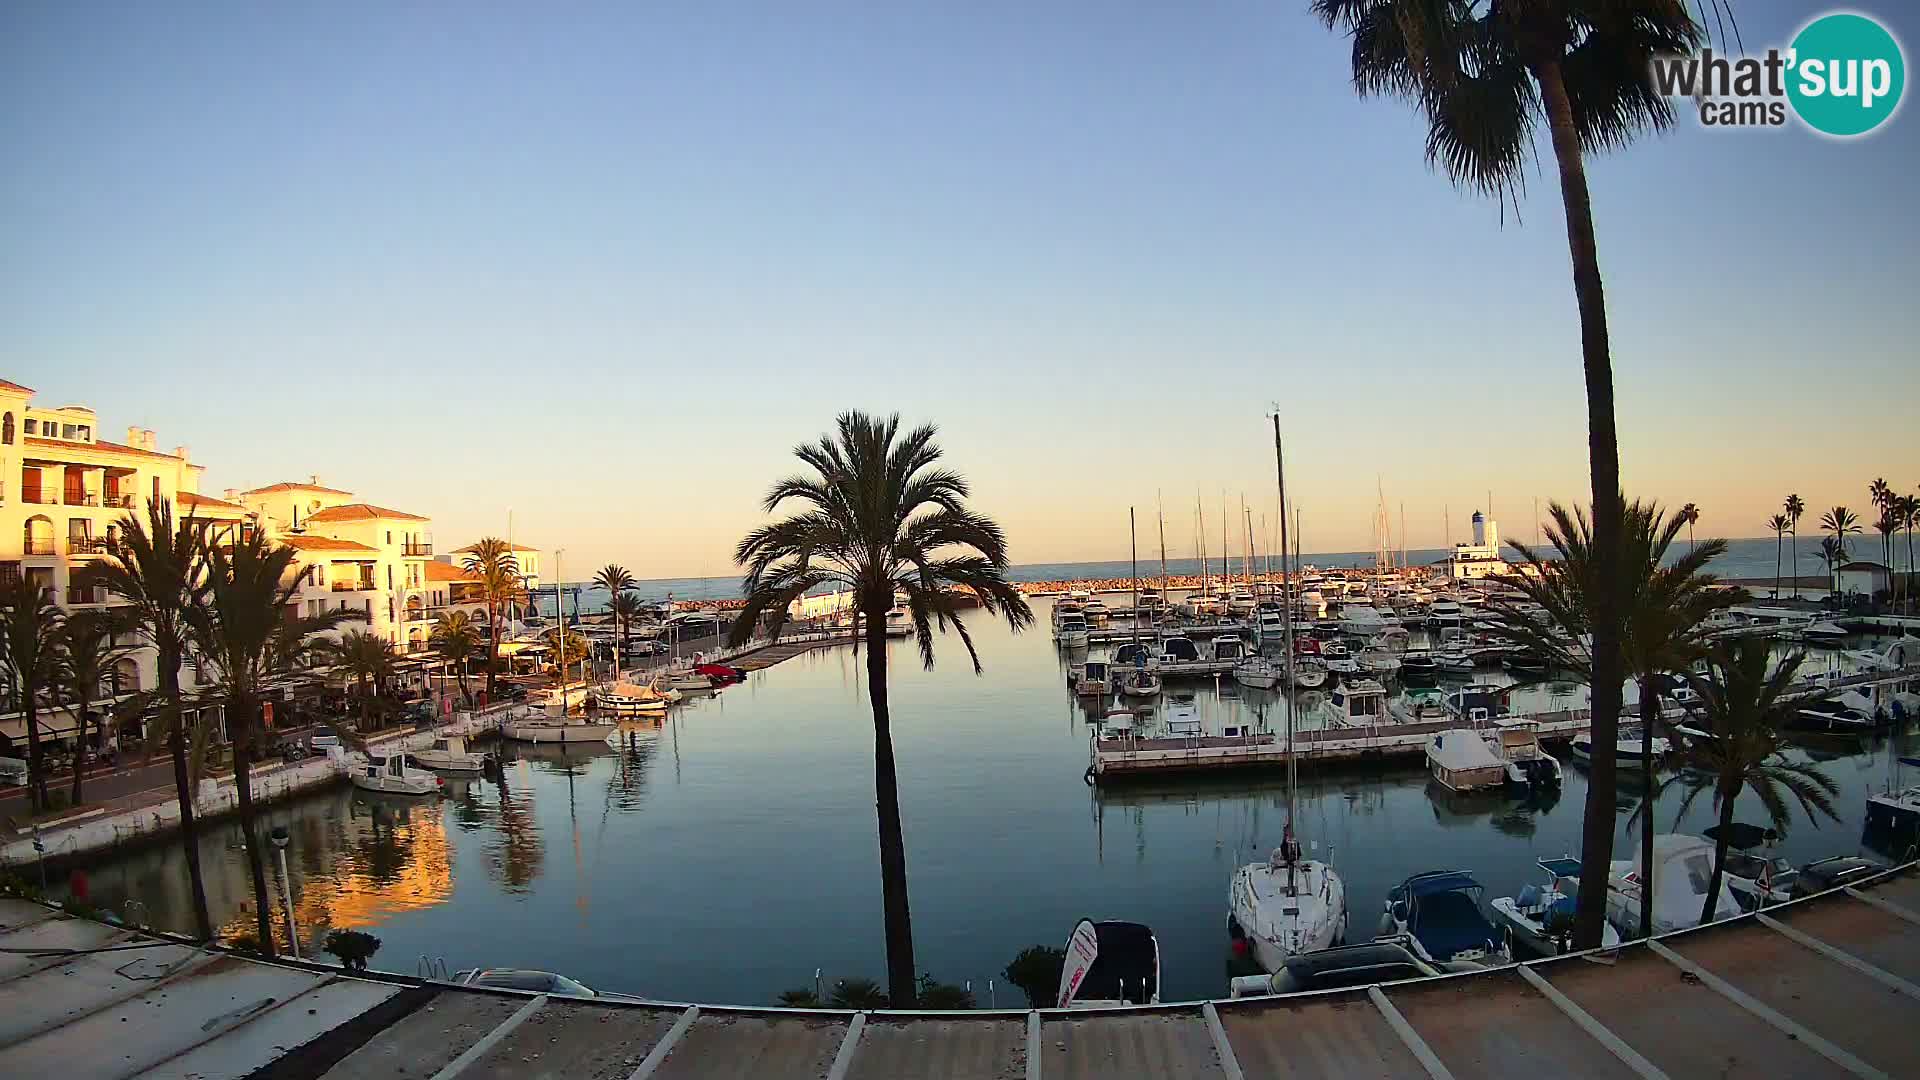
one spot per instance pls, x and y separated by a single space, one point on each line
40 547
82 498
87 545
352 586
120 501
410 548
39 496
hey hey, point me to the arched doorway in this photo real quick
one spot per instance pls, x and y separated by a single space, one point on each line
39 535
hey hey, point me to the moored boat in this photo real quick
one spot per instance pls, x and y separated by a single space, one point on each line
1440 910
554 729
389 774
1094 679
627 699
1140 682
1540 918
1461 760
1287 905
1110 964
449 753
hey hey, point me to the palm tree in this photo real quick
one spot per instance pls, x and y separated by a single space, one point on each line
569 649
456 638
1485 76
368 660
1665 609
1888 526
30 634
1779 524
155 565
626 607
1690 516
492 561
1795 507
1832 554
1908 507
89 651
1842 523
246 637
880 515
1746 708
614 578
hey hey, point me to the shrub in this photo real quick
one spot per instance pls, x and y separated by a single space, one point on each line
939 995
353 948
858 994
1036 971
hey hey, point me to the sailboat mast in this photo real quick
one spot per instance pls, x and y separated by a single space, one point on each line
1286 635
1133 541
1163 552
1205 572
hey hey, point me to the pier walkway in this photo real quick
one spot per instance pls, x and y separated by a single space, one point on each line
1823 987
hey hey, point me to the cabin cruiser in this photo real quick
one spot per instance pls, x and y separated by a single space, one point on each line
1758 881
1241 602
1064 608
1440 910
389 774
1683 865
899 622
1477 704
1822 631
1109 965
1149 603
1093 679
1541 917
1070 630
1096 613
1393 639
1359 703
1287 906
1203 605
1362 621
1136 654
557 729
1419 668
1836 714
1451 662
1627 748
1178 651
1461 759
449 753
1516 742
1230 649
1379 661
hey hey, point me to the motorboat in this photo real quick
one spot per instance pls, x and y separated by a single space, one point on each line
1477 704
1452 662
1334 650
449 753
1367 964
1362 621
1525 662
1540 917
389 775
1287 906
899 622
1136 654
1230 649
1096 613
1062 609
1683 864
1178 650
1258 672
1140 682
1359 703
1758 880
1309 673
1071 630
1834 714
1440 910
1093 679
1419 669
557 729
1241 602
1149 603
1822 631
1837 872
1203 605
627 699
686 680
1517 743
1461 760
1109 964
1379 661
1627 748
721 673
1418 705
1392 639
1895 811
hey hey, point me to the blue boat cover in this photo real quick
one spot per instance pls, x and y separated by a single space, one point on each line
1439 881
1450 923
1561 867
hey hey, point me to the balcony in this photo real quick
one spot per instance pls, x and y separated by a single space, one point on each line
421 548
39 497
81 498
87 545
40 547
85 594
118 501
351 586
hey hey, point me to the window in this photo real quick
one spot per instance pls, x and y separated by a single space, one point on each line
389 536
6 430
32 426
156 490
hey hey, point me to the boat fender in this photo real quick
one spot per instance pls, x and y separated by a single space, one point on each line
1089 776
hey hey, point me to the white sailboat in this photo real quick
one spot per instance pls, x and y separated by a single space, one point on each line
1288 904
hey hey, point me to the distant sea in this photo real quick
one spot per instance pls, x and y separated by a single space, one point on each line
1749 558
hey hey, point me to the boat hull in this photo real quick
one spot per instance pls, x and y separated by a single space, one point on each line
1273 936
558 733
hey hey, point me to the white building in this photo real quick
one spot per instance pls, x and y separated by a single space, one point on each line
63 492
1481 558
1868 579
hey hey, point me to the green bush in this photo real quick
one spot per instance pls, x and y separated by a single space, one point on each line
1036 971
858 994
939 995
800 999
353 948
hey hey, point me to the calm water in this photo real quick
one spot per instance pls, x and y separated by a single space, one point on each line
727 854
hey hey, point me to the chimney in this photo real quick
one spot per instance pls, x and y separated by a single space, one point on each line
314 479
133 436
232 495
182 453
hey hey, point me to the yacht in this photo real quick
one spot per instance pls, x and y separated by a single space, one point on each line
449 753
1176 651
1451 662
557 729
1477 704
1440 910
1758 881
1070 630
1359 703
1379 661
389 774
1362 621
1062 609
899 622
1287 905
1110 965
1528 765
1540 917
1136 654
1149 604
1241 602
1203 605
1836 714
1096 613
1393 639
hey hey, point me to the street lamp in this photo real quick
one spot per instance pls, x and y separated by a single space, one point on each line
280 839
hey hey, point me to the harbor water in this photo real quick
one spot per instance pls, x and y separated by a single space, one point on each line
729 852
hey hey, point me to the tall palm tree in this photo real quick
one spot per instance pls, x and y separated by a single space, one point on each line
155 565
30 633
1746 708
879 515
1908 507
1880 493
492 561
1842 523
626 607
1486 76
368 660
89 651
1665 609
1779 524
1690 515
247 637
1832 554
456 638
614 578
1796 507
1888 526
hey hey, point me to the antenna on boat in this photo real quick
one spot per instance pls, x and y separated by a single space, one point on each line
1288 844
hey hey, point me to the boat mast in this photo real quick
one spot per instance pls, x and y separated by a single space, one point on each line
560 636
1133 541
1163 548
1205 573
1286 631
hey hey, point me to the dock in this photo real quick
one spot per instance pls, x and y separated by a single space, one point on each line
1825 986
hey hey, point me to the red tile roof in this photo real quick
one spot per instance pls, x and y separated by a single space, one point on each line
439 571
198 502
323 543
361 512
101 445
15 387
295 487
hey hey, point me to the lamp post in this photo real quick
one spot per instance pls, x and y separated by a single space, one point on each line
280 839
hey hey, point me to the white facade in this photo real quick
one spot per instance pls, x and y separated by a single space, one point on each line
1869 579
1481 558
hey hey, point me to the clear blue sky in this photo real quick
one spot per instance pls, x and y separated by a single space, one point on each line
605 264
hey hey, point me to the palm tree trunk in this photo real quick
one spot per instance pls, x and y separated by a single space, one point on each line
183 790
1777 538
79 754
1793 542
36 764
1719 854
901 986
1603 454
493 650
1649 711
243 710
